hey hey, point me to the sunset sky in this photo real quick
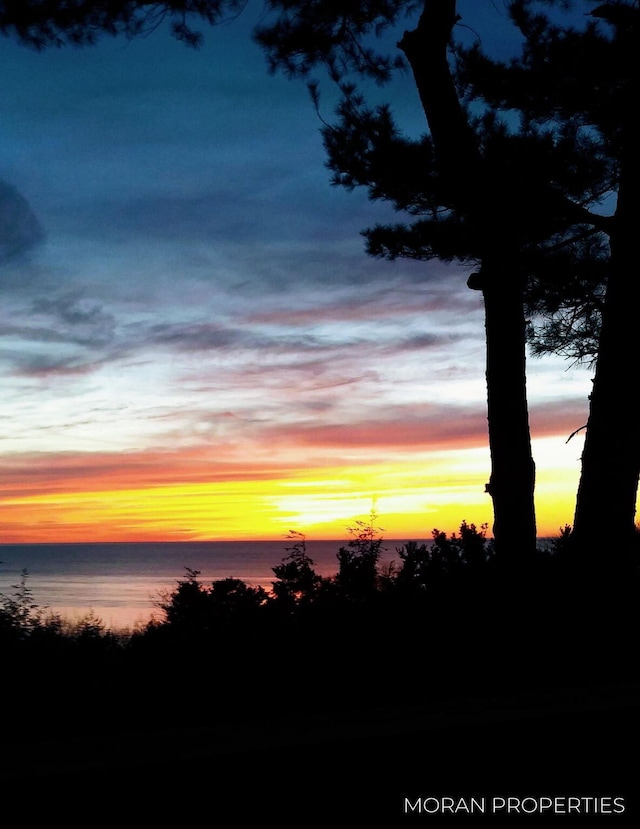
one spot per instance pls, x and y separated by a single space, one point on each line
194 344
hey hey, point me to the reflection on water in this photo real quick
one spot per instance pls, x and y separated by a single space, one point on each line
120 583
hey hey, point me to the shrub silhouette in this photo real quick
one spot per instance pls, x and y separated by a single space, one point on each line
297 582
457 556
19 614
193 608
357 577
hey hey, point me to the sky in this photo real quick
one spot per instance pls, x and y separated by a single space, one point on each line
193 342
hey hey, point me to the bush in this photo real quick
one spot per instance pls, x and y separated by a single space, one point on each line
19 614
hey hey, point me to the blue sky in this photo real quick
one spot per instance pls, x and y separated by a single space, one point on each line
187 300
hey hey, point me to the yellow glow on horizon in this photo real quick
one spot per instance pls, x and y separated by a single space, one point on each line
411 498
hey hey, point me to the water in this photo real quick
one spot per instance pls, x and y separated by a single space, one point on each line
121 583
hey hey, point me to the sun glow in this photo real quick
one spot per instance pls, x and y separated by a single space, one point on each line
411 498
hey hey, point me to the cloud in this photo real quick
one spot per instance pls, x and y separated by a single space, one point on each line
193 336
61 335
281 449
77 318
419 427
47 365
34 473
558 417
430 292
427 427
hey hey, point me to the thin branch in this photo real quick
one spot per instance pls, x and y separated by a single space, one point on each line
575 433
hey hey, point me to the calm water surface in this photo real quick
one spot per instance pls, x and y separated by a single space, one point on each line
120 583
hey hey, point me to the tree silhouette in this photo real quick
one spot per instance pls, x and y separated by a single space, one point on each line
297 581
445 180
583 78
357 576
445 559
482 189
193 609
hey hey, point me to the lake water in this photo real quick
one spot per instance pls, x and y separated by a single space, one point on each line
121 582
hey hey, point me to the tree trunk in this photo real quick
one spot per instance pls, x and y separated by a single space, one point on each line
512 481
607 494
512 469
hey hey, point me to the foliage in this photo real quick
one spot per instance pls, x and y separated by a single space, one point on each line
22 619
192 607
558 91
357 576
426 566
40 24
19 613
562 542
297 581
341 36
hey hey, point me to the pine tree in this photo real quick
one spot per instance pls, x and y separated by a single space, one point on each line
582 78
479 188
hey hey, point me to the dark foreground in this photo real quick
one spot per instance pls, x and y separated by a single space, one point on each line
368 701
383 768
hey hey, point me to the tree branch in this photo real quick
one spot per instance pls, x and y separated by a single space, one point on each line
426 49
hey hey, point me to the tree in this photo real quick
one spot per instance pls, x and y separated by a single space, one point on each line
611 456
445 177
19 613
357 576
445 559
484 191
192 609
186 608
585 78
297 581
